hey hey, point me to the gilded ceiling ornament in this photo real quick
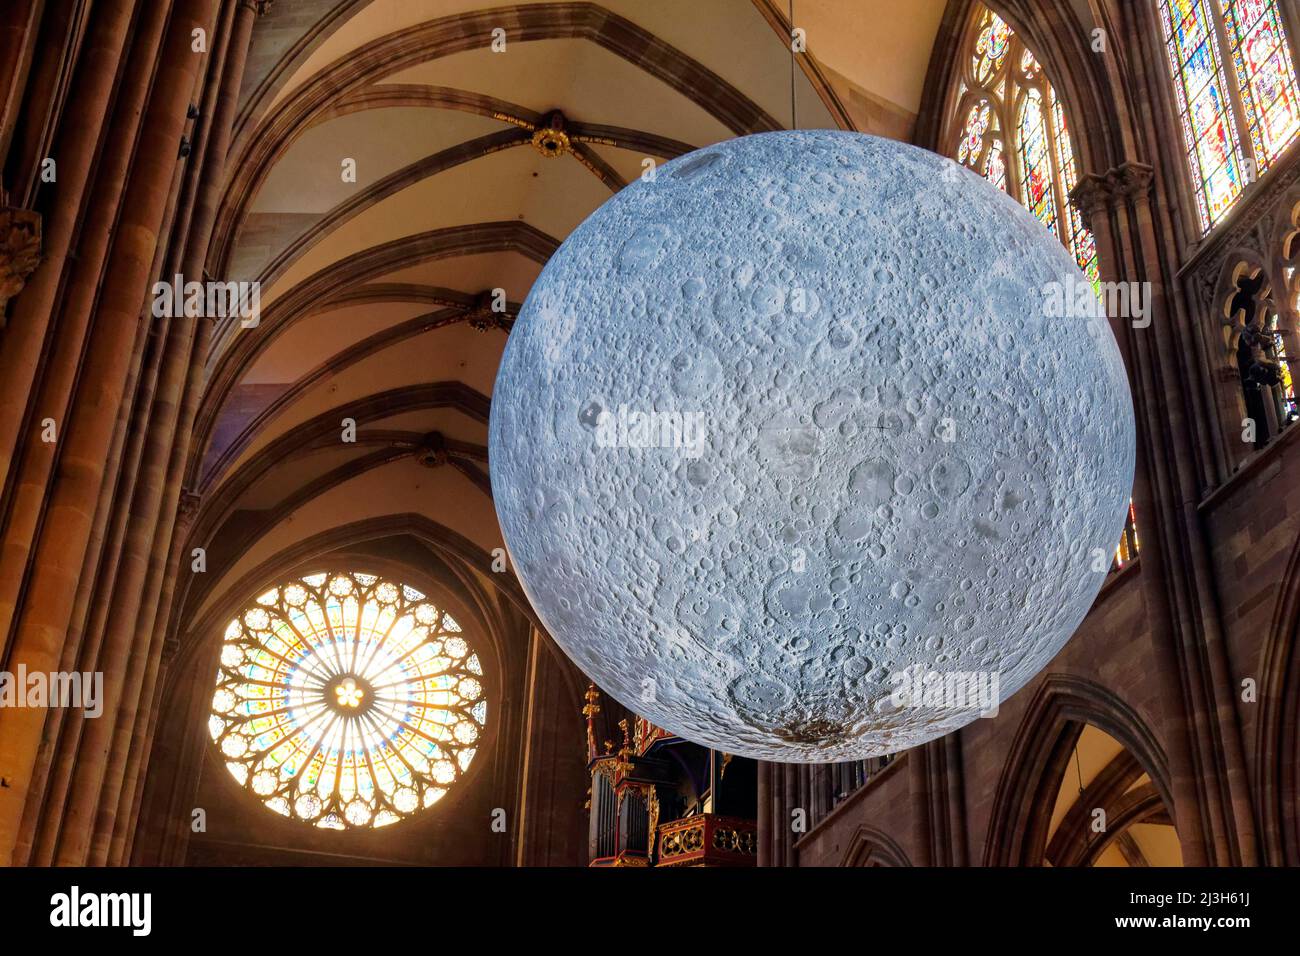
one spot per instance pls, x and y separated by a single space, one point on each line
551 142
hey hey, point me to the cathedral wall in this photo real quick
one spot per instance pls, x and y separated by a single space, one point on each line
1211 601
1253 524
885 801
1112 648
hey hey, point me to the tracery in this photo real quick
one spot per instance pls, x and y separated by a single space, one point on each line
345 700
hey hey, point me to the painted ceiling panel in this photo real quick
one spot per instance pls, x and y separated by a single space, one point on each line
553 195
457 353
308 178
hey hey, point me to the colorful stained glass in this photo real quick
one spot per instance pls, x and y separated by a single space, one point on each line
995 170
1080 239
1038 141
1215 158
1039 144
1037 178
345 700
1029 66
991 46
1266 76
980 150
972 140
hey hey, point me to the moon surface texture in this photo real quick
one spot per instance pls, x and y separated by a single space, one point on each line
792 427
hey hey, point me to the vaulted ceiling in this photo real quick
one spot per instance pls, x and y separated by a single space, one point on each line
471 166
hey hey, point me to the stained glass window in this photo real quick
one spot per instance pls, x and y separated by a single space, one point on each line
1205 111
345 700
977 125
1004 89
1036 161
1262 83
1265 75
1081 243
1128 542
991 44
995 169
981 147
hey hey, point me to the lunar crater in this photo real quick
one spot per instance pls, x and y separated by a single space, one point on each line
904 465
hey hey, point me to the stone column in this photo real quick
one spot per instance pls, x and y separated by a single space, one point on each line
141 738
129 656
938 808
96 595
1215 827
28 486
134 576
918 774
17 39
162 832
955 792
87 439
166 560
59 45
75 145
128 825
20 229
55 387
785 818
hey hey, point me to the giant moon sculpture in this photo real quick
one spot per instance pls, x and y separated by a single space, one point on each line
795 438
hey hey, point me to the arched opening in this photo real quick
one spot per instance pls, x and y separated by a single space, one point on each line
1107 811
440 748
873 847
1010 126
1084 769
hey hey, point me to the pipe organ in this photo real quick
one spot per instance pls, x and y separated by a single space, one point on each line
659 800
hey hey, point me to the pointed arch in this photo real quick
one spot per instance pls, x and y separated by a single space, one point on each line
1063 703
1008 125
872 847
260 146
